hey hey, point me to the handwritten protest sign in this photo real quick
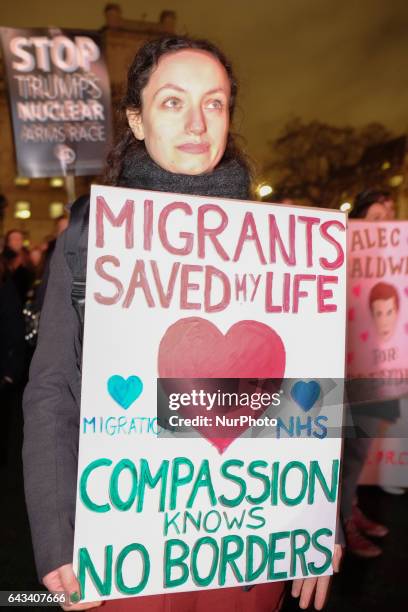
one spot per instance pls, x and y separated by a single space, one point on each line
377 345
189 288
59 93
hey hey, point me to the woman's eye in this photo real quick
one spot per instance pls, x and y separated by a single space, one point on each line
172 103
215 104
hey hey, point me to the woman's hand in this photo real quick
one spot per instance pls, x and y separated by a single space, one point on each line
305 588
64 579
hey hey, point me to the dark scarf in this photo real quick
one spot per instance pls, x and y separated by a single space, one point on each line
230 179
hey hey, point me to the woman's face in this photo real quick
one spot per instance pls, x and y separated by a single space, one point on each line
35 256
380 211
184 119
15 241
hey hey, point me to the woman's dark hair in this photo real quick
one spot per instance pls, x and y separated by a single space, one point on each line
139 73
365 199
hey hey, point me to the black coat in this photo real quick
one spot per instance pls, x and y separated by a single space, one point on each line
51 424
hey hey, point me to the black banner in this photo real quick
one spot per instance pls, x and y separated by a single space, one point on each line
60 100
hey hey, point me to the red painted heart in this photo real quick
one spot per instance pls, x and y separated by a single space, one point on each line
194 348
364 336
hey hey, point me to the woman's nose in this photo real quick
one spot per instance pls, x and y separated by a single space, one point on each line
196 122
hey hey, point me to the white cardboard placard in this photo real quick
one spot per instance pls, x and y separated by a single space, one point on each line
155 259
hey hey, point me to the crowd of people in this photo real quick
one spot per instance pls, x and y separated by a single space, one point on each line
169 143
23 279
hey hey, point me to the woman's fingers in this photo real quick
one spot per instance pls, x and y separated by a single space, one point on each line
64 579
70 585
308 588
297 587
305 587
68 579
85 606
322 589
337 557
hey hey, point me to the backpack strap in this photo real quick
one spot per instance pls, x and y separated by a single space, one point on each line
76 253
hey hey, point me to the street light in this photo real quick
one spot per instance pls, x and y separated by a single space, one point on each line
22 210
264 190
56 181
345 207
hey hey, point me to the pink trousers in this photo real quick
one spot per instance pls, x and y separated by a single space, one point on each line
261 598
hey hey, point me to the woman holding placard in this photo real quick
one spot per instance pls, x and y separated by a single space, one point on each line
176 138
374 205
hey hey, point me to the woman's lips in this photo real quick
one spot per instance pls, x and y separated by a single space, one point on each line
194 148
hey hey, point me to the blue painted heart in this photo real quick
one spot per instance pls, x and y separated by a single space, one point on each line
124 391
305 394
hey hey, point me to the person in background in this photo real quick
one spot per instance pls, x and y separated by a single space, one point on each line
61 223
374 205
371 205
36 259
17 262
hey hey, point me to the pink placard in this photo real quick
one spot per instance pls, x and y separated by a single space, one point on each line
377 315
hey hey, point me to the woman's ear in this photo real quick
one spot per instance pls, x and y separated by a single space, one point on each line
135 123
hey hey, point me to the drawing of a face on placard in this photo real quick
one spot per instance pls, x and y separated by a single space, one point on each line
384 308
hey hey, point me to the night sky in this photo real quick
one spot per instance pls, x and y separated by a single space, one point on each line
341 62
